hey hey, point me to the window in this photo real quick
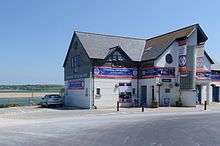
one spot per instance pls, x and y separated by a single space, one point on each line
167 90
169 58
86 94
98 91
133 91
116 56
75 63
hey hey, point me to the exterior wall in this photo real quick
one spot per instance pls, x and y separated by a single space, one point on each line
109 91
149 83
215 82
85 63
204 82
78 97
174 90
188 97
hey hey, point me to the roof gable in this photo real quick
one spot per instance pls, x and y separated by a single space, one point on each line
119 50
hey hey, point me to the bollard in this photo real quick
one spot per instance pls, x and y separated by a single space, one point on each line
205 105
117 105
142 108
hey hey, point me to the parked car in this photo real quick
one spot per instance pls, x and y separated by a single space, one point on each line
52 99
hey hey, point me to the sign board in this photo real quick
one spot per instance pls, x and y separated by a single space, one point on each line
200 62
151 72
215 75
205 75
182 59
125 87
115 72
166 101
166 80
76 84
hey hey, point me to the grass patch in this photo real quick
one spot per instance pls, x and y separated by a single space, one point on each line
8 105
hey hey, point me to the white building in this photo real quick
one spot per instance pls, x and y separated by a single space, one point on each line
100 70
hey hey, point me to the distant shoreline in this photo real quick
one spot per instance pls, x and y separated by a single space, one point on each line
24 91
30 88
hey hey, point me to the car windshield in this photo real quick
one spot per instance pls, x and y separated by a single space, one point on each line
54 96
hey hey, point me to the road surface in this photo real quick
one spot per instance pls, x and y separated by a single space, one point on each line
142 129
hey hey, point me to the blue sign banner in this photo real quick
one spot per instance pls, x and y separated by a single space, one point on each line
113 72
76 84
215 76
205 75
151 72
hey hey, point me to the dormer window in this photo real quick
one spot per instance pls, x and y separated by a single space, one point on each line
116 56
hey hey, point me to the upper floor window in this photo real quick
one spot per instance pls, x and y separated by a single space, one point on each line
116 56
169 58
75 63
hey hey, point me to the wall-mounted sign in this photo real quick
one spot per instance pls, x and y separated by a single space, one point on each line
125 87
215 75
76 84
77 76
166 101
114 72
166 80
151 72
200 62
204 75
182 56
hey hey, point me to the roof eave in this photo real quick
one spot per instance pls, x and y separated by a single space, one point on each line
64 63
209 58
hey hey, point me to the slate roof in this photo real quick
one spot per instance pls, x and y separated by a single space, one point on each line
97 45
156 46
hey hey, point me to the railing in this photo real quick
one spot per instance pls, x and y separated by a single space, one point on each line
20 101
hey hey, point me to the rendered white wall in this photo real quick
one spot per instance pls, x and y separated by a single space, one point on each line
110 91
78 98
161 62
173 95
188 98
173 50
149 83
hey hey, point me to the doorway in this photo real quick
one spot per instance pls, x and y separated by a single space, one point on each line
144 95
215 94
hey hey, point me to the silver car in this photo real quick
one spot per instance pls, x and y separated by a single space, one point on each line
52 99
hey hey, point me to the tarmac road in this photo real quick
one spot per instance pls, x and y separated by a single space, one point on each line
167 129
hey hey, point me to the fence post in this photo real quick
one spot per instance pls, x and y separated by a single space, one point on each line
117 106
205 105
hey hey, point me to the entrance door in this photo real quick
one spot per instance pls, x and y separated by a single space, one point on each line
215 94
199 95
144 95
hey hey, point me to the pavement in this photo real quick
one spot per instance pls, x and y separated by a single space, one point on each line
165 126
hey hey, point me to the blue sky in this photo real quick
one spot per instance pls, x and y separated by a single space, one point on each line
35 34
